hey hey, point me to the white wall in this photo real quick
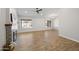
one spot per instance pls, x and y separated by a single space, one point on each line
4 18
39 23
69 23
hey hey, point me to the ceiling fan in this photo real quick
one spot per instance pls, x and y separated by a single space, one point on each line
38 10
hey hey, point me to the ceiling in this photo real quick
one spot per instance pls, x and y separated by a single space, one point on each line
30 12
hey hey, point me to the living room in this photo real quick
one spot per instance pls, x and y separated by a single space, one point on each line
54 29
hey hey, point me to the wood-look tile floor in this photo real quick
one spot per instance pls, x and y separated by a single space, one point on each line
44 41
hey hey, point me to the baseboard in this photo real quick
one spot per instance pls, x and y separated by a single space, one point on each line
69 38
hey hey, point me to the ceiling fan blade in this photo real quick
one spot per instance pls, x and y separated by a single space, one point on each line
40 10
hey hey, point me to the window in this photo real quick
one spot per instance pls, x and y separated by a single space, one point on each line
26 23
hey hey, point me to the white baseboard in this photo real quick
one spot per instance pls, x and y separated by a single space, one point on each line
69 38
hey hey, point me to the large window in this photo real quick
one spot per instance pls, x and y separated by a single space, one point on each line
26 23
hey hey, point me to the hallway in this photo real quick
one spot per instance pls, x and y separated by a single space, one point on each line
44 41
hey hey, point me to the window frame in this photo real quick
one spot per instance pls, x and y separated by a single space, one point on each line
27 20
